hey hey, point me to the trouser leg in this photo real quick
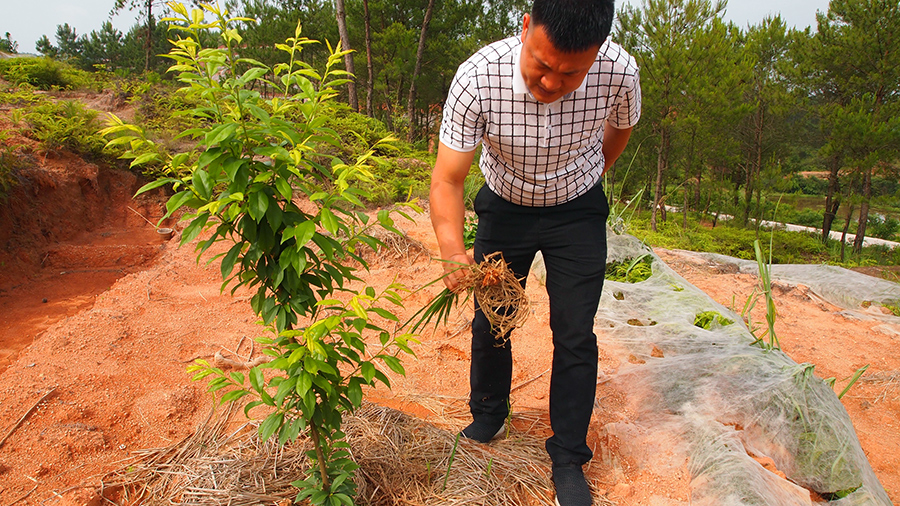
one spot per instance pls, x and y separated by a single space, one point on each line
574 249
511 229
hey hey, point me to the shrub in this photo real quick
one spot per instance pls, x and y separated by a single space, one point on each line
258 156
883 227
44 73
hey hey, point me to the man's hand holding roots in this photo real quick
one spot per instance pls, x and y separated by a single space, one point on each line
500 294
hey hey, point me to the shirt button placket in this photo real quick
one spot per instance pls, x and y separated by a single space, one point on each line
547 127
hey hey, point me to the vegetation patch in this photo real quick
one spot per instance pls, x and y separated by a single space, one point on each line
630 270
709 319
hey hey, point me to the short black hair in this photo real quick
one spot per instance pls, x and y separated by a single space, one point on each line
574 25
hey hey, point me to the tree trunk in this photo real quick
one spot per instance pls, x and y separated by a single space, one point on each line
370 81
832 200
148 44
697 195
341 16
844 233
686 188
420 54
863 212
662 161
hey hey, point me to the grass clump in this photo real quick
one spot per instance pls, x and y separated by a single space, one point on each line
630 270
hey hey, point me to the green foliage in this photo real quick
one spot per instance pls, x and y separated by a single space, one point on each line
470 229
258 157
765 286
66 124
630 270
729 239
893 308
807 185
10 164
399 174
44 73
7 45
884 227
709 319
471 186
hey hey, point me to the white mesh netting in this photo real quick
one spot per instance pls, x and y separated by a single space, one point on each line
713 399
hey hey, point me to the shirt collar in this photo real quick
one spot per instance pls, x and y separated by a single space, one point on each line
518 82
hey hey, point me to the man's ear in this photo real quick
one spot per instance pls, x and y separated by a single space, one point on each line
526 21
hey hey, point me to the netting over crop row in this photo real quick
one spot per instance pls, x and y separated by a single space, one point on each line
711 397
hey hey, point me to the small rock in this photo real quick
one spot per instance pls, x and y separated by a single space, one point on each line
44 300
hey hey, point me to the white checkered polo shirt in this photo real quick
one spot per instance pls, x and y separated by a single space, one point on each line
538 154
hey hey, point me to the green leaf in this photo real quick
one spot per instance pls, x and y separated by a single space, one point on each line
176 201
193 229
156 184
253 74
230 258
304 383
271 424
142 159
220 133
393 363
259 202
202 184
234 395
329 221
257 381
208 156
384 313
368 371
284 188
304 232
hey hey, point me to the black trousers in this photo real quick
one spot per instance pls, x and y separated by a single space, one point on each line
572 239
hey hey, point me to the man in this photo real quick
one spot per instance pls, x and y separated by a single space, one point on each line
553 109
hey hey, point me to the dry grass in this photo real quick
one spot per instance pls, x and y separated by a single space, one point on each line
890 380
394 247
403 461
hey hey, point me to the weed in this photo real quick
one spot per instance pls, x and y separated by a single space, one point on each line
450 463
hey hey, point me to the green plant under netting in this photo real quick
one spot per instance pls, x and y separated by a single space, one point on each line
633 270
708 319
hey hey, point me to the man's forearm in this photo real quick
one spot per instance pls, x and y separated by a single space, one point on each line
447 217
614 142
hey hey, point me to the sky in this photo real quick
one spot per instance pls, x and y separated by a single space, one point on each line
27 20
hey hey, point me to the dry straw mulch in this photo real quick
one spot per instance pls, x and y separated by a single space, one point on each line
403 461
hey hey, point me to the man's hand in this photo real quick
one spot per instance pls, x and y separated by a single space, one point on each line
455 273
448 210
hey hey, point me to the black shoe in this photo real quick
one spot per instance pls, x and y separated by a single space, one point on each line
482 432
571 487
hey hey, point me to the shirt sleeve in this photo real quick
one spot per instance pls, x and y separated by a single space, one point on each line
627 110
462 126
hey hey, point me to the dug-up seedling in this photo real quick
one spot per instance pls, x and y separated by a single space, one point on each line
499 293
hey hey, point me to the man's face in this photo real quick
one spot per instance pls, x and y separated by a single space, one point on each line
549 72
